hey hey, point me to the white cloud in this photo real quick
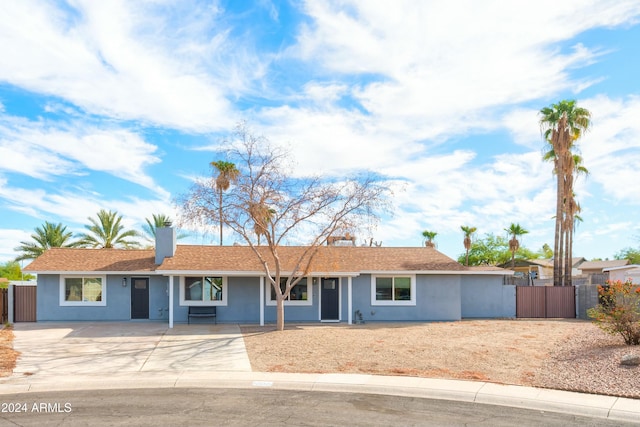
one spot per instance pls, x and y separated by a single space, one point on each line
611 150
438 68
43 150
109 58
9 239
73 207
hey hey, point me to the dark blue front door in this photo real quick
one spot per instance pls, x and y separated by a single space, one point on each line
139 298
330 299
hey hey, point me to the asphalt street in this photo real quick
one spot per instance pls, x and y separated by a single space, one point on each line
263 407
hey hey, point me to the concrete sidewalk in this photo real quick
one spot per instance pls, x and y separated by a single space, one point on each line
85 356
590 405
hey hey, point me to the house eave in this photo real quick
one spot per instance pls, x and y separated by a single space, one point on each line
622 267
252 273
443 272
101 272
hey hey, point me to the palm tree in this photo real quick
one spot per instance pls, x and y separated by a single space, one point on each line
515 230
47 236
546 251
562 124
227 173
156 221
429 236
107 232
262 216
468 234
572 209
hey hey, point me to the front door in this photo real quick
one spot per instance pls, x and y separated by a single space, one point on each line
139 298
330 299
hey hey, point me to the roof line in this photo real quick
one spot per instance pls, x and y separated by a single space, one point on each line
104 272
256 273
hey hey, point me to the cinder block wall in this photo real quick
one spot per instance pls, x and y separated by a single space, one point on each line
586 298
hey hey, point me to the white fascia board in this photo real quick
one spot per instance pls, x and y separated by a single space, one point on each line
622 267
210 272
101 272
251 273
443 272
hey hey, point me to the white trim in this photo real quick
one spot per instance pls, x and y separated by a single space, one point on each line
62 289
171 301
411 302
247 273
439 272
261 300
284 273
222 302
622 267
307 302
98 273
339 299
349 300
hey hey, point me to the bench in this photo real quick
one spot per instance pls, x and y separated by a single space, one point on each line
202 311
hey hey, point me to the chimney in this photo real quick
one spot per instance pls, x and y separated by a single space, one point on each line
165 242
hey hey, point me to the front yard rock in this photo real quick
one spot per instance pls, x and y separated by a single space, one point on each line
630 360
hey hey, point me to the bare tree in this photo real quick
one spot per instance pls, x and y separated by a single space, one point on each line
269 202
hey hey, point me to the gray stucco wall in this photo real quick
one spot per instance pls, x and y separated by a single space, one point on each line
243 306
486 297
243 301
158 298
118 301
437 298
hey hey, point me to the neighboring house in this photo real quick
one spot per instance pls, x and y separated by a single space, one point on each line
535 268
622 273
382 283
598 267
541 269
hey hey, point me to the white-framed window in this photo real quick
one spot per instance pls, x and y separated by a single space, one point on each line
301 293
83 290
393 290
203 290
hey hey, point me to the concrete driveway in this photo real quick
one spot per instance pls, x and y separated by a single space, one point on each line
104 348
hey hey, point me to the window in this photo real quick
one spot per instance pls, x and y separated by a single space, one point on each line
83 291
300 294
393 290
203 290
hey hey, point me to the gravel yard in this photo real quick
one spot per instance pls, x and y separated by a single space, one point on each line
561 354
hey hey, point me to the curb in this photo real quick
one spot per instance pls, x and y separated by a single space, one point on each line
590 405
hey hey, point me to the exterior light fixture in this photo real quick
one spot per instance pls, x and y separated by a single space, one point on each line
124 282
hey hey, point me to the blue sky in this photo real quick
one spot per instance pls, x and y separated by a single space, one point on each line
119 105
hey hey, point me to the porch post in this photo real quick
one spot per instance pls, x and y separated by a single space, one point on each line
261 300
170 302
349 302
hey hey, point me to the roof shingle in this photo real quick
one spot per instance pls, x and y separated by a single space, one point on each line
242 259
77 259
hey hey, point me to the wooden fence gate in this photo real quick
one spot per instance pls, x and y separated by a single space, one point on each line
4 305
546 301
24 303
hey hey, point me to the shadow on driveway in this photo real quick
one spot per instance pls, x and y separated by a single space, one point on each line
71 348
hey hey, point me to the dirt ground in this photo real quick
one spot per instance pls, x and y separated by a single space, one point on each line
560 354
563 354
8 355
